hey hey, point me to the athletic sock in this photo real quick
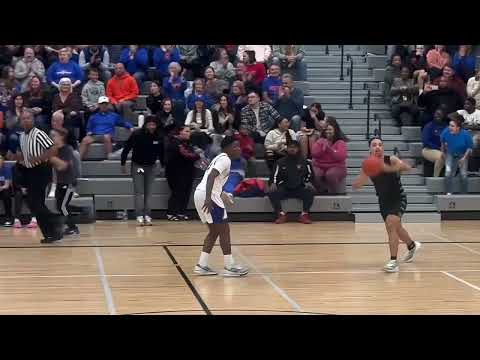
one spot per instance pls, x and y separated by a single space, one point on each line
393 258
411 245
228 260
203 261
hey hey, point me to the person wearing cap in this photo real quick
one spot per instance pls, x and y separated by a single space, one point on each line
122 90
101 127
147 145
64 68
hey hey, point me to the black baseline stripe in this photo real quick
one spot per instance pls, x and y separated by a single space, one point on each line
188 282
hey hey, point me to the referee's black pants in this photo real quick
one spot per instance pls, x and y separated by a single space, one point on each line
37 180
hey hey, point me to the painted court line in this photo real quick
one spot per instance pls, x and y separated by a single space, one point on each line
107 290
277 288
461 280
458 245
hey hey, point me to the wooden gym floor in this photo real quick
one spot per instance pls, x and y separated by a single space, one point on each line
118 268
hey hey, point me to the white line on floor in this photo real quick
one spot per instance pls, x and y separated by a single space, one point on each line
458 245
106 286
461 280
277 288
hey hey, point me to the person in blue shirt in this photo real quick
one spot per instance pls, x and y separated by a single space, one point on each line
457 145
163 56
101 127
199 92
431 141
272 84
64 67
174 88
135 60
464 62
5 191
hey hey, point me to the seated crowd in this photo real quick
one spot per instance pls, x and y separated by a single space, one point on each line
438 88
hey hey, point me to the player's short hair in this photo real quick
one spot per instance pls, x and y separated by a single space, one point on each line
374 138
227 141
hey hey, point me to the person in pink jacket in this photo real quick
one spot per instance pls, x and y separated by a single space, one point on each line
329 154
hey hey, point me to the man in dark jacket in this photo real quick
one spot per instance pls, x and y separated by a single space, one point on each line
147 145
289 179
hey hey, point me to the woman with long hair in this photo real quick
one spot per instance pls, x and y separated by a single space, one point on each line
276 142
201 123
223 116
311 127
39 100
329 155
214 87
12 123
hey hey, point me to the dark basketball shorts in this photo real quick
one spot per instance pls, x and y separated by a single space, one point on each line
396 207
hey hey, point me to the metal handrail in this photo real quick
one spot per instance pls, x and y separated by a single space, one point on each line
350 73
367 134
341 62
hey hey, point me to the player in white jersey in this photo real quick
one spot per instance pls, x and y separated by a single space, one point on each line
209 202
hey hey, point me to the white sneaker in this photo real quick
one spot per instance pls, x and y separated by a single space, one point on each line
449 194
391 266
75 195
140 220
148 220
204 270
410 255
51 194
235 270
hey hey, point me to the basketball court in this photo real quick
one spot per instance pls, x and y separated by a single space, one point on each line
117 268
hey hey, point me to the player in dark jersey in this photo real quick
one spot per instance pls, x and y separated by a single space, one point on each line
393 202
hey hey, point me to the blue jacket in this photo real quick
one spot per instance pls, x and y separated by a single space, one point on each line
104 123
161 63
192 97
431 135
70 70
270 86
464 65
457 145
139 62
172 92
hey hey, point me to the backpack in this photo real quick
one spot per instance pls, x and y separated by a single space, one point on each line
251 188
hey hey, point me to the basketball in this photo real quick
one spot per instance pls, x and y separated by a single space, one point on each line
372 166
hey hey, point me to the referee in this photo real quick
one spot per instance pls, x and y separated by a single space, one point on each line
35 150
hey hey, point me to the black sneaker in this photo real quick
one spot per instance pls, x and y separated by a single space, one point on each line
8 223
50 240
71 231
183 217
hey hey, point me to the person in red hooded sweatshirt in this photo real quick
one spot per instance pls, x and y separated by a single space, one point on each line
255 71
122 91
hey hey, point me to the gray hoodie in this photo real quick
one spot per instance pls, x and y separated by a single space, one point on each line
189 51
25 71
91 92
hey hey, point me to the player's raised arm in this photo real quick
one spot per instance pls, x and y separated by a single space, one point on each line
397 165
360 181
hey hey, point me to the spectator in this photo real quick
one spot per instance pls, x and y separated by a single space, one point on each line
456 146
247 145
12 123
70 103
222 66
58 123
27 68
437 59
64 68
96 57
122 91
432 143
166 117
6 191
404 99
433 96
238 96
174 88
163 56
464 62
276 142
402 50
199 92
291 57
5 93
258 117
179 171
272 84
417 62
39 100
5 57
473 88
101 127
201 123
262 53
52 52
155 99
289 180
391 72
11 83
147 145
92 90
290 102
454 82
471 115
214 87
312 125
190 61
206 54
255 72
329 155
223 116
232 52
135 60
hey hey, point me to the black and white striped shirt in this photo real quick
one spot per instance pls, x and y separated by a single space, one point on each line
34 144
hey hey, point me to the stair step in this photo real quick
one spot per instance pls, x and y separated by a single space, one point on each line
330 72
338 85
406 179
372 199
333 78
338 99
409 189
410 207
409 217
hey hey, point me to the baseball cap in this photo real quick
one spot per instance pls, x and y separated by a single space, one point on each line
103 99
